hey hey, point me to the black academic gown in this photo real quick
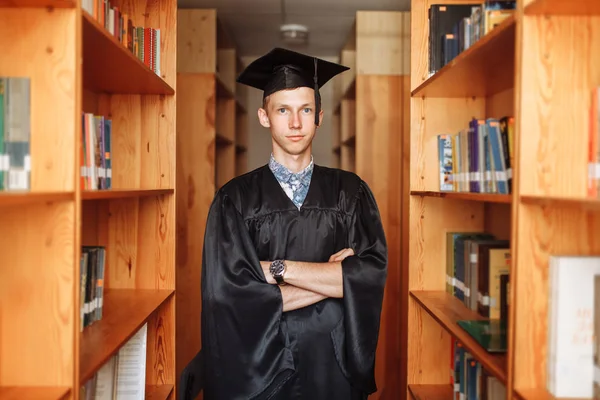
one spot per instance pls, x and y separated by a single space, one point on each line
326 351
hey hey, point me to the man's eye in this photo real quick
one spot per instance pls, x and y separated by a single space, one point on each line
307 110
281 110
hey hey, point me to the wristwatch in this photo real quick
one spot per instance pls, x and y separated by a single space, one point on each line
277 270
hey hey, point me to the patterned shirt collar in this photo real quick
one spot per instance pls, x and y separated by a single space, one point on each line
283 174
295 185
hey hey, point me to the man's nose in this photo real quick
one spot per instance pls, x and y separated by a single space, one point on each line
295 121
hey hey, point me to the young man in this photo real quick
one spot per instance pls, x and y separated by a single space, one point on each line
294 260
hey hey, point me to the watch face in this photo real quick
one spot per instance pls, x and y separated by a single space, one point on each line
277 268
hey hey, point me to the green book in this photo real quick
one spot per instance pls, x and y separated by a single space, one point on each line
490 334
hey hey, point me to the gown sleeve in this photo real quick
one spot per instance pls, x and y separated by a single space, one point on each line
364 277
244 351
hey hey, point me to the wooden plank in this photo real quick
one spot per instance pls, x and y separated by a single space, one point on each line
125 311
196 40
11 199
122 193
555 107
382 41
447 310
431 392
563 7
161 346
195 192
37 302
380 112
482 70
480 197
109 67
33 393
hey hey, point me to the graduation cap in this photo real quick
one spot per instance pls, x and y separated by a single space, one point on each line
286 69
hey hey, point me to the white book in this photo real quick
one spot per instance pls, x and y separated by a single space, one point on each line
131 367
570 364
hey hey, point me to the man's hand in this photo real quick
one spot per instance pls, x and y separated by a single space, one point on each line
341 255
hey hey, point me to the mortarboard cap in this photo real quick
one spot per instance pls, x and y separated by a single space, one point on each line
282 69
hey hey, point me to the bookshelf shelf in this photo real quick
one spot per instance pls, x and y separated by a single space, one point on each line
109 67
563 7
588 204
33 393
535 394
123 193
158 392
37 3
431 392
486 68
480 197
9 199
125 311
222 90
447 310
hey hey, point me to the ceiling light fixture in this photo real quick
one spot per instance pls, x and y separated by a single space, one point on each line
294 34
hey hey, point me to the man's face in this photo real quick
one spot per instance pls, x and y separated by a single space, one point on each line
290 115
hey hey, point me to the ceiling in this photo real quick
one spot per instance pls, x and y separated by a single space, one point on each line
254 24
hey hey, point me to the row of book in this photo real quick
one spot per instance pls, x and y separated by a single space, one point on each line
143 42
96 149
91 281
470 380
15 133
478 158
123 376
455 27
478 272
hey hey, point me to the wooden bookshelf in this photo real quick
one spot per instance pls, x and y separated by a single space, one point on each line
76 66
369 137
548 71
211 145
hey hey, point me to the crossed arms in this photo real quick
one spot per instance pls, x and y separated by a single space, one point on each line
309 283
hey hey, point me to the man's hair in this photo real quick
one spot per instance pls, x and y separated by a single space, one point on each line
265 102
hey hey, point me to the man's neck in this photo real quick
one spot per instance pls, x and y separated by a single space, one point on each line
294 163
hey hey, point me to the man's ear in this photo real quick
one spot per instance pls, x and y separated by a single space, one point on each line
263 118
321 118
